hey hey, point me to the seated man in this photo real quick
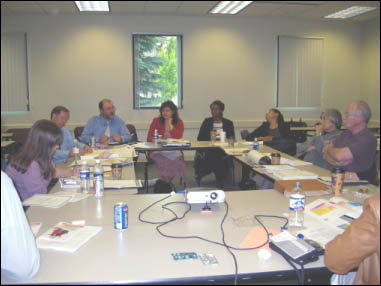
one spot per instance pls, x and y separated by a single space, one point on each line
326 131
354 150
106 127
60 115
20 258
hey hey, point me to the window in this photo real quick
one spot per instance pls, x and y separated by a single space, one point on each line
300 67
157 70
14 72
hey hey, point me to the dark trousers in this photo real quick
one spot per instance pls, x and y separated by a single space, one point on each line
215 161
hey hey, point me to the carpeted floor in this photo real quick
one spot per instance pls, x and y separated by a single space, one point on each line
207 181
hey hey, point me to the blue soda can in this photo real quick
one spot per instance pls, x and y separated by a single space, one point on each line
256 146
120 216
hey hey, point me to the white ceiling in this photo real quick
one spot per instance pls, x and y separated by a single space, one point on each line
290 9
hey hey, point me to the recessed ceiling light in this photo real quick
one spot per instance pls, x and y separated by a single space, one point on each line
229 7
92 6
351 12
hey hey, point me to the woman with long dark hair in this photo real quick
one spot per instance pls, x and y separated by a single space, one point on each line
168 125
273 128
32 167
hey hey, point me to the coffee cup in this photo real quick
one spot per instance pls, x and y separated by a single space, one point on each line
116 171
275 158
337 181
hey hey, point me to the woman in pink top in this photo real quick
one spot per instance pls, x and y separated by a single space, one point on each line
168 125
32 168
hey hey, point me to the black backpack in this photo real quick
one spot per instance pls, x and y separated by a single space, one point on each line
162 187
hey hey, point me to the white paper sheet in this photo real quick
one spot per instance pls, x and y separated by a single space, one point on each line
122 184
74 196
48 201
35 226
72 240
295 175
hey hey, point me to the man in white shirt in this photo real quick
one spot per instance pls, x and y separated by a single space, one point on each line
20 258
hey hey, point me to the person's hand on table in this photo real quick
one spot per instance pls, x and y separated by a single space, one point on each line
310 148
103 139
87 149
117 137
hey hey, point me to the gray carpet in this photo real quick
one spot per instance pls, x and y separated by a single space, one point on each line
207 181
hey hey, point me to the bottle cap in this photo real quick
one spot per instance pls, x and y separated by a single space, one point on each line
300 235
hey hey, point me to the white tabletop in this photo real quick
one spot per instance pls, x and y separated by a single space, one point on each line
140 254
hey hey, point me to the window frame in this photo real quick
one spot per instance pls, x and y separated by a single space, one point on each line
180 69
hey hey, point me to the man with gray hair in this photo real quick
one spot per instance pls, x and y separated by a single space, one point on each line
354 150
106 127
326 131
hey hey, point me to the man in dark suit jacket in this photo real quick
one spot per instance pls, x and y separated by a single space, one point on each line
214 160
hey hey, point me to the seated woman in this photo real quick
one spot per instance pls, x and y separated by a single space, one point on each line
32 167
273 128
214 160
274 133
325 132
168 125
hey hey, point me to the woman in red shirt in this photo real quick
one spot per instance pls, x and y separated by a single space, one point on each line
168 125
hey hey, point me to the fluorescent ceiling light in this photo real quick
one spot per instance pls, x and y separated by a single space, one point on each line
229 7
92 6
351 12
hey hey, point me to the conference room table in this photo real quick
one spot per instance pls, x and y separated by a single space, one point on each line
140 255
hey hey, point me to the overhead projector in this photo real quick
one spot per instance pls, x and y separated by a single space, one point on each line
202 197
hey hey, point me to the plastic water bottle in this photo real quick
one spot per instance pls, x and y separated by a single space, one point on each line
297 199
155 137
84 175
76 151
98 179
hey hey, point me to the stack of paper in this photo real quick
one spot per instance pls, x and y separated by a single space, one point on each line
236 151
294 162
74 196
274 168
332 217
48 201
66 237
295 175
176 142
122 184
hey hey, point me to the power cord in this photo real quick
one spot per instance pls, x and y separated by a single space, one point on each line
189 207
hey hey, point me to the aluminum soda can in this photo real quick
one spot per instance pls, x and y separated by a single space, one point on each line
120 216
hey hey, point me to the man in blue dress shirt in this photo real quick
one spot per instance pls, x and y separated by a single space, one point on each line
106 127
60 115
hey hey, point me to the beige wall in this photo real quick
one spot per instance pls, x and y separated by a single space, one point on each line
370 81
77 60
